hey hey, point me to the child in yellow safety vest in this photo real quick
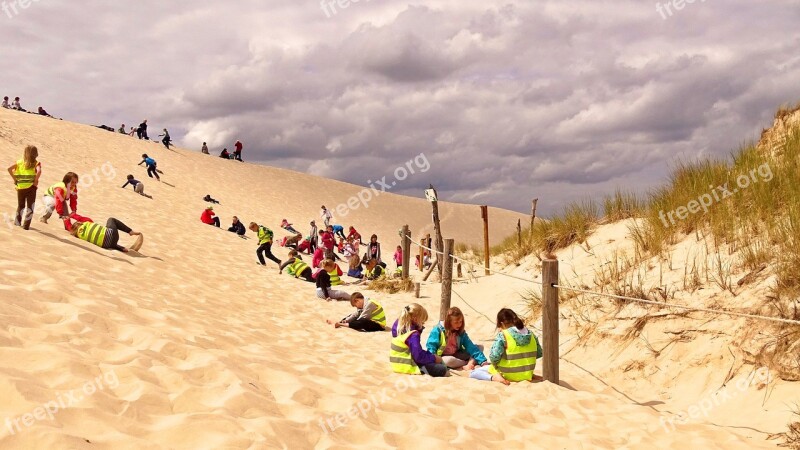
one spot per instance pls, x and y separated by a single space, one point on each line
513 354
297 267
369 315
406 354
25 173
449 339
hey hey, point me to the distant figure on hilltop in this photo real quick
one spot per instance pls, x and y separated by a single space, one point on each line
167 140
237 151
225 154
42 112
5 103
141 132
204 150
121 129
16 105
133 131
25 173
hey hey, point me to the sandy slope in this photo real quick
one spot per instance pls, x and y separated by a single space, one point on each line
197 347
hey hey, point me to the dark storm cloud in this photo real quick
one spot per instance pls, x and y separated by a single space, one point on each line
508 100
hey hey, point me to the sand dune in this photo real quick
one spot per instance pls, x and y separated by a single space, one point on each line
191 345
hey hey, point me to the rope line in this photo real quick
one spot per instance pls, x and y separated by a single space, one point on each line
619 297
471 265
690 308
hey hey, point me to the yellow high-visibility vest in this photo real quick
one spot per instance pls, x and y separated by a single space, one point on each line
92 232
518 362
400 356
24 176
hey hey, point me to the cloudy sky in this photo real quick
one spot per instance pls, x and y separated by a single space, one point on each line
508 100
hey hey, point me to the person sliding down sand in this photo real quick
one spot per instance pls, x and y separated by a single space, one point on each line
369 315
450 340
406 354
513 354
137 185
297 267
106 236
324 282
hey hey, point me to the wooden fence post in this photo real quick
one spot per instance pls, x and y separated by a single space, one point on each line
447 277
550 320
485 216
533 215
519 233
416 290
437 228
406 243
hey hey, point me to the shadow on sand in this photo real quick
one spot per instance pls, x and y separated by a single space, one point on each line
75 244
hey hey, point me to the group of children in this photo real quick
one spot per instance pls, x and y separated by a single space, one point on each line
512 356
62 197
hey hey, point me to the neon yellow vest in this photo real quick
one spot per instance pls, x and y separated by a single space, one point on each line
378 316
264 235
24 176
51 191
518 362
400 356
297 267
335 280
442 342
92 232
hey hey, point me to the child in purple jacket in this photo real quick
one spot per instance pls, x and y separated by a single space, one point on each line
411 322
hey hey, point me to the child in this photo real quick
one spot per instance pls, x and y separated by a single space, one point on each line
513 353
398 256
374 249
25 173
151 166
319 256
297 268
406 354
167 140
138 186
355 267
373 271
449 340
354 235
208 217
208 198
305 246
338 231
106 236
62 197
264 243
224 154
288 227
369 315
237 227
324 283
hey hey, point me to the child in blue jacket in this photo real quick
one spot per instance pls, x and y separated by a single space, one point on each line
449 339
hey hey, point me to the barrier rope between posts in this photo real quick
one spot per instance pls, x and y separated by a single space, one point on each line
620 297
688 308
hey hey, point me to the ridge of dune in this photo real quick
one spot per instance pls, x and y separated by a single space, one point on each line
192 345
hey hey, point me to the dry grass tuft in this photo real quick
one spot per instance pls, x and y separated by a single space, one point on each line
391 285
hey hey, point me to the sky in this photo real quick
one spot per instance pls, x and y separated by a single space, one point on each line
507 100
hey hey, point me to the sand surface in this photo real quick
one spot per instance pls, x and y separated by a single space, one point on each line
191 345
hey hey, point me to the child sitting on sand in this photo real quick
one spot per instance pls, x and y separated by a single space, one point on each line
406 354
513 353
449 340
369 315
324 283
297 268
288 227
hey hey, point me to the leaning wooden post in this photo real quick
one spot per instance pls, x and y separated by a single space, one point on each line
550 320
485 217
533 215
519 233
406 243
437 227
447 277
